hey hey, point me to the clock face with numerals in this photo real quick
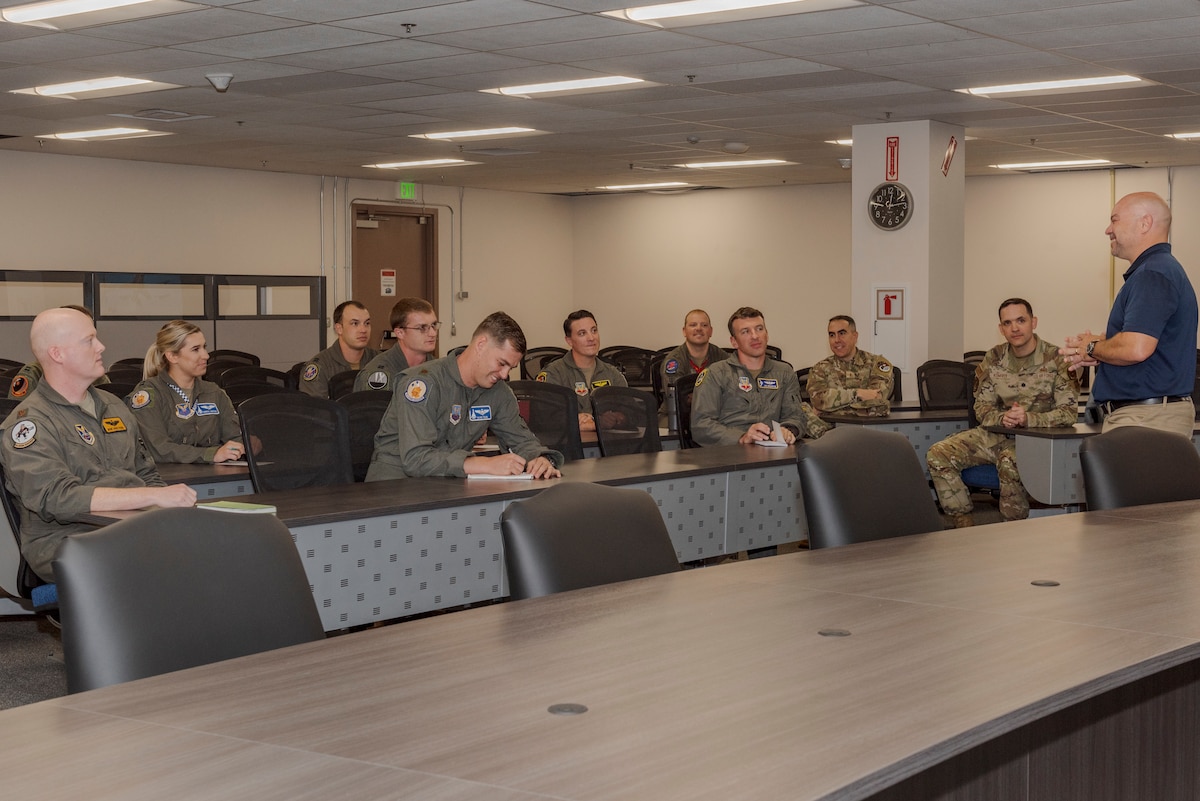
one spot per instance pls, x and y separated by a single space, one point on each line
890 206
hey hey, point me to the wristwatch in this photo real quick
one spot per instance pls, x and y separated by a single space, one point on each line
1091 346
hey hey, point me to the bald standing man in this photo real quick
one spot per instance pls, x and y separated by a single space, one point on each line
69 448
1146 361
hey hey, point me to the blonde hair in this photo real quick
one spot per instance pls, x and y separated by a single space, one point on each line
170 339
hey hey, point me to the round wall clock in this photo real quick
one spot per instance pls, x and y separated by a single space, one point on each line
890 206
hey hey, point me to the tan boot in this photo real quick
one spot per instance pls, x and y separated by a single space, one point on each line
961 521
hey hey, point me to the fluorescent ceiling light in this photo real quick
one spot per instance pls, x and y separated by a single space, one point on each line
397 165
846 142
80 87
565 86
710 165
36 12
479 133
662 185
1195 135
663 14
1052 165
104 133
1046 86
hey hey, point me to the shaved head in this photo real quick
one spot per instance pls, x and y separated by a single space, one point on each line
54 328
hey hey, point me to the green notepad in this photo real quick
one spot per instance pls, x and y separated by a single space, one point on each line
238 507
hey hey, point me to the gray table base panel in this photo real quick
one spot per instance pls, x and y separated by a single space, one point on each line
223 489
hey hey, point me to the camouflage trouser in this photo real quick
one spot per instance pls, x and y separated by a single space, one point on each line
948 458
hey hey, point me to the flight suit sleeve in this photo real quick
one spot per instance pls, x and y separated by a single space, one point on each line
707 428
151 416
37 473
417 407
314 379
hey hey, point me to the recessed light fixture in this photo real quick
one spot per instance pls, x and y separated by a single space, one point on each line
1194 135
662 185
846 142
1110 81
103 133
66 14
475 134
723 10
583 84
712 165
81 87
398 165
1052 165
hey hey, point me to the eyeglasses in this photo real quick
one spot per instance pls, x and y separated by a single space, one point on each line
424 329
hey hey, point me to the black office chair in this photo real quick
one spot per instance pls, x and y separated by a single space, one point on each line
242 392
862 484
217 368
342 383
10 365
945 384
254 374
802 377
579 535
974 357
366 411
136 362
633 416
634 363
124 374
536 358
775 353
305 441
170 589
897 391
235 356
552 414
656 378
684 389
17 578
1132 466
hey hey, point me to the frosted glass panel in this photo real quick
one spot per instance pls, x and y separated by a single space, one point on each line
27 298
152 300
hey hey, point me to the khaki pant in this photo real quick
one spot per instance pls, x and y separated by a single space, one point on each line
1177 418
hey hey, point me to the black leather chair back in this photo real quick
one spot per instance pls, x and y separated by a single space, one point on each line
253 374
579 535
235 356
897 389
342 383
944 384
305 441
860 484
1132 466
170 589
626 421
535 358
552 414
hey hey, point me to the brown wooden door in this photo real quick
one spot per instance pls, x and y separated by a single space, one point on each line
394 255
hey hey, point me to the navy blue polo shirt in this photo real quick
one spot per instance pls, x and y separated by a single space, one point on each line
1156 300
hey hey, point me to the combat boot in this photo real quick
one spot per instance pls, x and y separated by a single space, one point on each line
961 521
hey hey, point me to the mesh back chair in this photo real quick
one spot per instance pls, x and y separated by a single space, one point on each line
579 535
535 358
342 383
1131 466
242 392
17 578
944 384
217 368
124 373
684 389
974 357
775 353
552 414
861 484
235 356
656 378
305 441
366 411
802 377
897 391
633 416
253 374
136 362
170 589
634 363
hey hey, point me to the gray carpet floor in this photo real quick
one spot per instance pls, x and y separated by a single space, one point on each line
31 662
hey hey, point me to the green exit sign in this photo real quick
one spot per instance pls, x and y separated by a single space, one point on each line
406 191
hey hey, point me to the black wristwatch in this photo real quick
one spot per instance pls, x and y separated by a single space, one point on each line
1091 346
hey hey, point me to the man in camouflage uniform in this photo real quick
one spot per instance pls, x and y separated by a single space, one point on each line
1023 383
737 399
851 380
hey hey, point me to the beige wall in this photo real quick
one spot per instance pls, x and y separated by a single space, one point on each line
638 261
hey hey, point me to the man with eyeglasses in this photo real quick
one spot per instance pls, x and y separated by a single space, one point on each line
415 326
352 324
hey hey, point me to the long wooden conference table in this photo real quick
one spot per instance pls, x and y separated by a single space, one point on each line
1052 659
